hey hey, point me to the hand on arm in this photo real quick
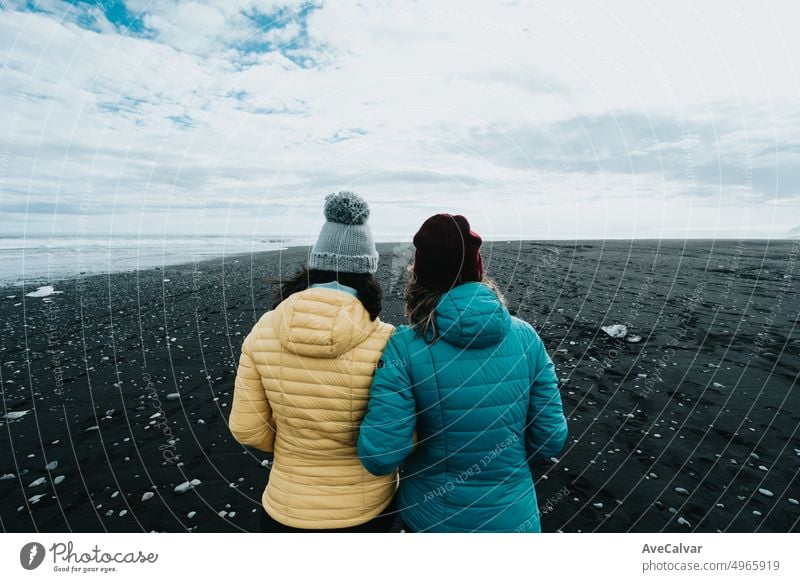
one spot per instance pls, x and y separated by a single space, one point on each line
386 436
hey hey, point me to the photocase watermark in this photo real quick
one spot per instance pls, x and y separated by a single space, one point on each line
168 448
488 23
66 558
472 471
31 555
762 337
553 500
570 20
51 332
656 377
547 261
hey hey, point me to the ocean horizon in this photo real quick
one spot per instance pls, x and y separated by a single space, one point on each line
39 259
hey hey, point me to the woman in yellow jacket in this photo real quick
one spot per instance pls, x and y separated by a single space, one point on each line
303 382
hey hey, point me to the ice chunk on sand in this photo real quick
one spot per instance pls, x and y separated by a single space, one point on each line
681 490
173 396
616 331
766 492
36 498
45 291
682 521
7 476
147 495
186 485
191 514
37 482
633 339
51 466
58 480
16 414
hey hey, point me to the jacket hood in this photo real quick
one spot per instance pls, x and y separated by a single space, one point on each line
322 323
471 316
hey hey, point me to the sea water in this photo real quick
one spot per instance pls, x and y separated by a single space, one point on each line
40 259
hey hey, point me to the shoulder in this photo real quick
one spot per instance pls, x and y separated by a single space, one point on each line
401 337
263 329
383 329
523 328
527 334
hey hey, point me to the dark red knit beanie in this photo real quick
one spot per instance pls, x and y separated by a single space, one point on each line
447 252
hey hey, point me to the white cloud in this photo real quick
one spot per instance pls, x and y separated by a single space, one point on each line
539 122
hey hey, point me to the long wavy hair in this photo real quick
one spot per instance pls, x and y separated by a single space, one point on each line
420 304
367 287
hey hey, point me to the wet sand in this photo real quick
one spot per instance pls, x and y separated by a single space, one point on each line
127 381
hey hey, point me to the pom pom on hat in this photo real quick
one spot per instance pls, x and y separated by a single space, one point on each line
346 208
345 243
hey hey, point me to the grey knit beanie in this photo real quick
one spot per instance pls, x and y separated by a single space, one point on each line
345 243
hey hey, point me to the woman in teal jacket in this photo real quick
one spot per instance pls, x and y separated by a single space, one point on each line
463 399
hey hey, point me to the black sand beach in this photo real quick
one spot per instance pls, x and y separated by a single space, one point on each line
127 381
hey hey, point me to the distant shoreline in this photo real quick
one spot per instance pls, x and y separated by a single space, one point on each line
237 256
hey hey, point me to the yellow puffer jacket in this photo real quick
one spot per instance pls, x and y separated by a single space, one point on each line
301 391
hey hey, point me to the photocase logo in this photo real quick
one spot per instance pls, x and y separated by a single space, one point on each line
31 555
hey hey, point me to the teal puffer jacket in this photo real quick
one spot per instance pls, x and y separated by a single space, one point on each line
483 400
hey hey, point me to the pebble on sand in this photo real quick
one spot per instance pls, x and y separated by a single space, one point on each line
16 414
44 291
186 485
617 331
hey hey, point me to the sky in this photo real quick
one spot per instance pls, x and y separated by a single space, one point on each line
535 120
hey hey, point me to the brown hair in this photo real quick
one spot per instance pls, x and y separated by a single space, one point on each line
365 284
420 304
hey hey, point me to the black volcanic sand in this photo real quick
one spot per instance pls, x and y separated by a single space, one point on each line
694 428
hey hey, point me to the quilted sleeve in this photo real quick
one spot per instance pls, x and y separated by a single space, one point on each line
546 430
251 421
386 436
